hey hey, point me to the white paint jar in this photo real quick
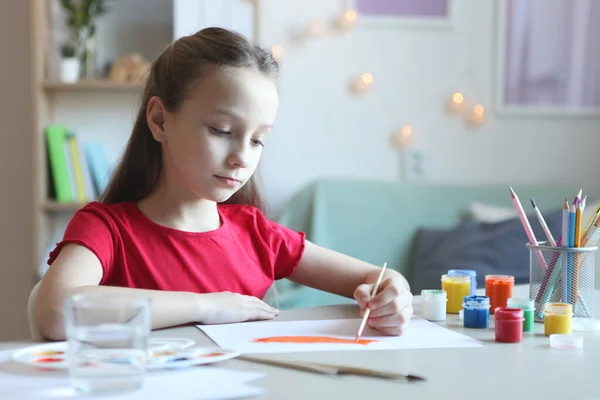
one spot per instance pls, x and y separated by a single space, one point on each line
433 304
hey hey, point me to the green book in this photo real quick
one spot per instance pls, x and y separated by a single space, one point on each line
55 138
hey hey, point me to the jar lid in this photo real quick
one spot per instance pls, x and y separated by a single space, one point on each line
459 272
456 278
508 314
476 302
565 342
586 324
524 303
430 294
500 278
558 308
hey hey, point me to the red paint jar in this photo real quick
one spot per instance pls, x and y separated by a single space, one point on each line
509 324
499 289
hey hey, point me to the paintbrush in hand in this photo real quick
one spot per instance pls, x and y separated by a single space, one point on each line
368 310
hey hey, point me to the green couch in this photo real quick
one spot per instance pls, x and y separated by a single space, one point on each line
375 221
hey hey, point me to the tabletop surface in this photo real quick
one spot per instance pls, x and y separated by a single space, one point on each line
526 370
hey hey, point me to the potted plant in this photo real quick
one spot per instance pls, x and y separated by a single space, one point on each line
69 63
81 17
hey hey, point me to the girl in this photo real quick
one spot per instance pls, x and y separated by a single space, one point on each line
182 219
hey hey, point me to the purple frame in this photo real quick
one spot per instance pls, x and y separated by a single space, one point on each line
403 8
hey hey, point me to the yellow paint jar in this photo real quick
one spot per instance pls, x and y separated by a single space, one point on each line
457 287
558 318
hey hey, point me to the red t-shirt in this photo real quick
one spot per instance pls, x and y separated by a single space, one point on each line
243 256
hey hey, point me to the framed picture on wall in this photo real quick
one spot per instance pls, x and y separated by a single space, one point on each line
548 57
403 13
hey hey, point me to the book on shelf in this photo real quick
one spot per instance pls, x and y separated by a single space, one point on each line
78 172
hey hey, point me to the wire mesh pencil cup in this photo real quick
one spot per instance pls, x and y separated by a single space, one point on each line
562 274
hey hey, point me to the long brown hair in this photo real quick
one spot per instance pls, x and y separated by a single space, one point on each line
171 76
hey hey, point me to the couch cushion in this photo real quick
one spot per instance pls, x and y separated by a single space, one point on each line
488 248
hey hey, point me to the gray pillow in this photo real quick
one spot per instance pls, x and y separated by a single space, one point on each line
488 248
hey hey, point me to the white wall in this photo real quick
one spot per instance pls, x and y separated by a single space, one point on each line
324 131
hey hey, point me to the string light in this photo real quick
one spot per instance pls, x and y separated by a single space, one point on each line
277 52
367 78
348 19
403 137
363 83
477 115
457 102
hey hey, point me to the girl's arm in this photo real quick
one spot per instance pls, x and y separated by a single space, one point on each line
333 272
78 270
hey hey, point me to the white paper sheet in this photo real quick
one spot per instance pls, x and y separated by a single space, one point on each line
25 383
6 355
420 334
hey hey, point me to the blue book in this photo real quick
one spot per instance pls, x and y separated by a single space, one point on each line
99 166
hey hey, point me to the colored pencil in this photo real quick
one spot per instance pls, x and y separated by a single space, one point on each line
527 227
589 224
540 218
565 235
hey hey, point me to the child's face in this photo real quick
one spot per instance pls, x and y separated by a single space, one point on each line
215 140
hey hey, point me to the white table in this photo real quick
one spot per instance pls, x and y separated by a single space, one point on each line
527 370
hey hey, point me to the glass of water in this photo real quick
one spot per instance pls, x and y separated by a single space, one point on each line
108 341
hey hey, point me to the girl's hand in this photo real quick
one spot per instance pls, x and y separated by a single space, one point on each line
227 307
391 308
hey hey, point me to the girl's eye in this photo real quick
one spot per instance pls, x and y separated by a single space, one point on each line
257 142
219 131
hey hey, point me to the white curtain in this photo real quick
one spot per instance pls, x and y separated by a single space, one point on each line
553 53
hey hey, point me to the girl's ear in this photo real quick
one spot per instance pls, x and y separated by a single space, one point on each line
155 117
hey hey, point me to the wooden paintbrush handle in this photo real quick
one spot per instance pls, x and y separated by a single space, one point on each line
307 367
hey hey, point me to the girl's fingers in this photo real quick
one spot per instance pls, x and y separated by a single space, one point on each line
362 294
396 305
390 321
387 293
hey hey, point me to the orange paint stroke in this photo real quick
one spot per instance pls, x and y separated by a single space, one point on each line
48 360
211 355
311 339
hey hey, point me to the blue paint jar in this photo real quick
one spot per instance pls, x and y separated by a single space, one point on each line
466 272
476 312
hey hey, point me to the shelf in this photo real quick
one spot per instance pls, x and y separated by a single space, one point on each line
54 206
90 85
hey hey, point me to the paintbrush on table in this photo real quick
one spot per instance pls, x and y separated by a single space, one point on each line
329 369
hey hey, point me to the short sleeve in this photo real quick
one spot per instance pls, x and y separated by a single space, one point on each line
286 245
92 228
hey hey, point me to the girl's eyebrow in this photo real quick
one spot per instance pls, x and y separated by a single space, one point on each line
228 112
233 114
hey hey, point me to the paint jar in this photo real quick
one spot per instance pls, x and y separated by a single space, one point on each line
476 312
457 287
499 289
509 324
558 318
433 304
528 307
468 272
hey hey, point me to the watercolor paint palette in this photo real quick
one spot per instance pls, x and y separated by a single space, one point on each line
165 354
